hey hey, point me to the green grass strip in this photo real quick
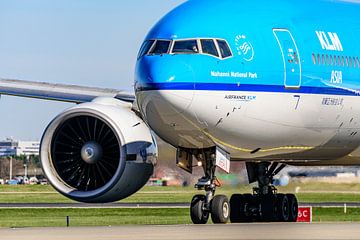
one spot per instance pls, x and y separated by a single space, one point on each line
129 216
91 217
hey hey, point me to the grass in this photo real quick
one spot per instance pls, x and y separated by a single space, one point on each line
307 193
328 197
91 217
130 216
26 188
336 215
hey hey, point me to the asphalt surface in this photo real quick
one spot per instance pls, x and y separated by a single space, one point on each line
278 231
143 205
86 205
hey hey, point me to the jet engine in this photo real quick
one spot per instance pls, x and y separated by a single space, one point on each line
98 152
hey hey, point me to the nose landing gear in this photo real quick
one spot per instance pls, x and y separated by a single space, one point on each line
202 206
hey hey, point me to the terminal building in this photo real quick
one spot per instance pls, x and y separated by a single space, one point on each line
10 147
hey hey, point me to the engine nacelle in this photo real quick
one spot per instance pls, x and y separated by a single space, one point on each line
98 152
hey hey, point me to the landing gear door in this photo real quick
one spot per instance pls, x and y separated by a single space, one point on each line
184 160
291 58
223 160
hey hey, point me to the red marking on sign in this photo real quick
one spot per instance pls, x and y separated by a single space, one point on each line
305 214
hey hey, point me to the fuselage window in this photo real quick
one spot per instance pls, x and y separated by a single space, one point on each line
351 62
343 61
327 60
224 49
323 59
319 59
355 63
339 60
209 47
347 61
145 48
358 62
185 47
314 59
161 47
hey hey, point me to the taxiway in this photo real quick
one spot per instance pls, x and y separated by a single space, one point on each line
277 231
149 205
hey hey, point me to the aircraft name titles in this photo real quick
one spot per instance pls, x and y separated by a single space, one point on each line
240 97
330 41
234 74
336 77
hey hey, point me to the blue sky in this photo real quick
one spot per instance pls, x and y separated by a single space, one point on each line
83 42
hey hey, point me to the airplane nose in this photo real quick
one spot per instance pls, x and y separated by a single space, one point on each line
164 85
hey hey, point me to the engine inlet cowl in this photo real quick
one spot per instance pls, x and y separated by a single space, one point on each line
98 153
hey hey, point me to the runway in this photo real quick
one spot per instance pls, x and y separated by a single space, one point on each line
274 231
89 205
144 205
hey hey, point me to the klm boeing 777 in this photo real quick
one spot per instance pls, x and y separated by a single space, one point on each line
269 83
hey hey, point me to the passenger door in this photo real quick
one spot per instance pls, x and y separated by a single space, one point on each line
291 58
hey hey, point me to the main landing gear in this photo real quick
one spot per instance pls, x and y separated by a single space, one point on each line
264 205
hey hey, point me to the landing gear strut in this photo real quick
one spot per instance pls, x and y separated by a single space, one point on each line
265 204
204 206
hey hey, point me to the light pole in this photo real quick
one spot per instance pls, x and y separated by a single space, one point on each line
25 166
10 168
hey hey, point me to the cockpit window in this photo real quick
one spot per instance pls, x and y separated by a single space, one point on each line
145 48
185 47
209 47
217 48
224 49
161 47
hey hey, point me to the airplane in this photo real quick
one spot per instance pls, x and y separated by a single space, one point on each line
268 84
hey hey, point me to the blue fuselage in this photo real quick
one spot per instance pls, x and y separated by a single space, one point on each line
306 51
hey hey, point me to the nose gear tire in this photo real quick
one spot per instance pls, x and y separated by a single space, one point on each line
197 210
220 209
